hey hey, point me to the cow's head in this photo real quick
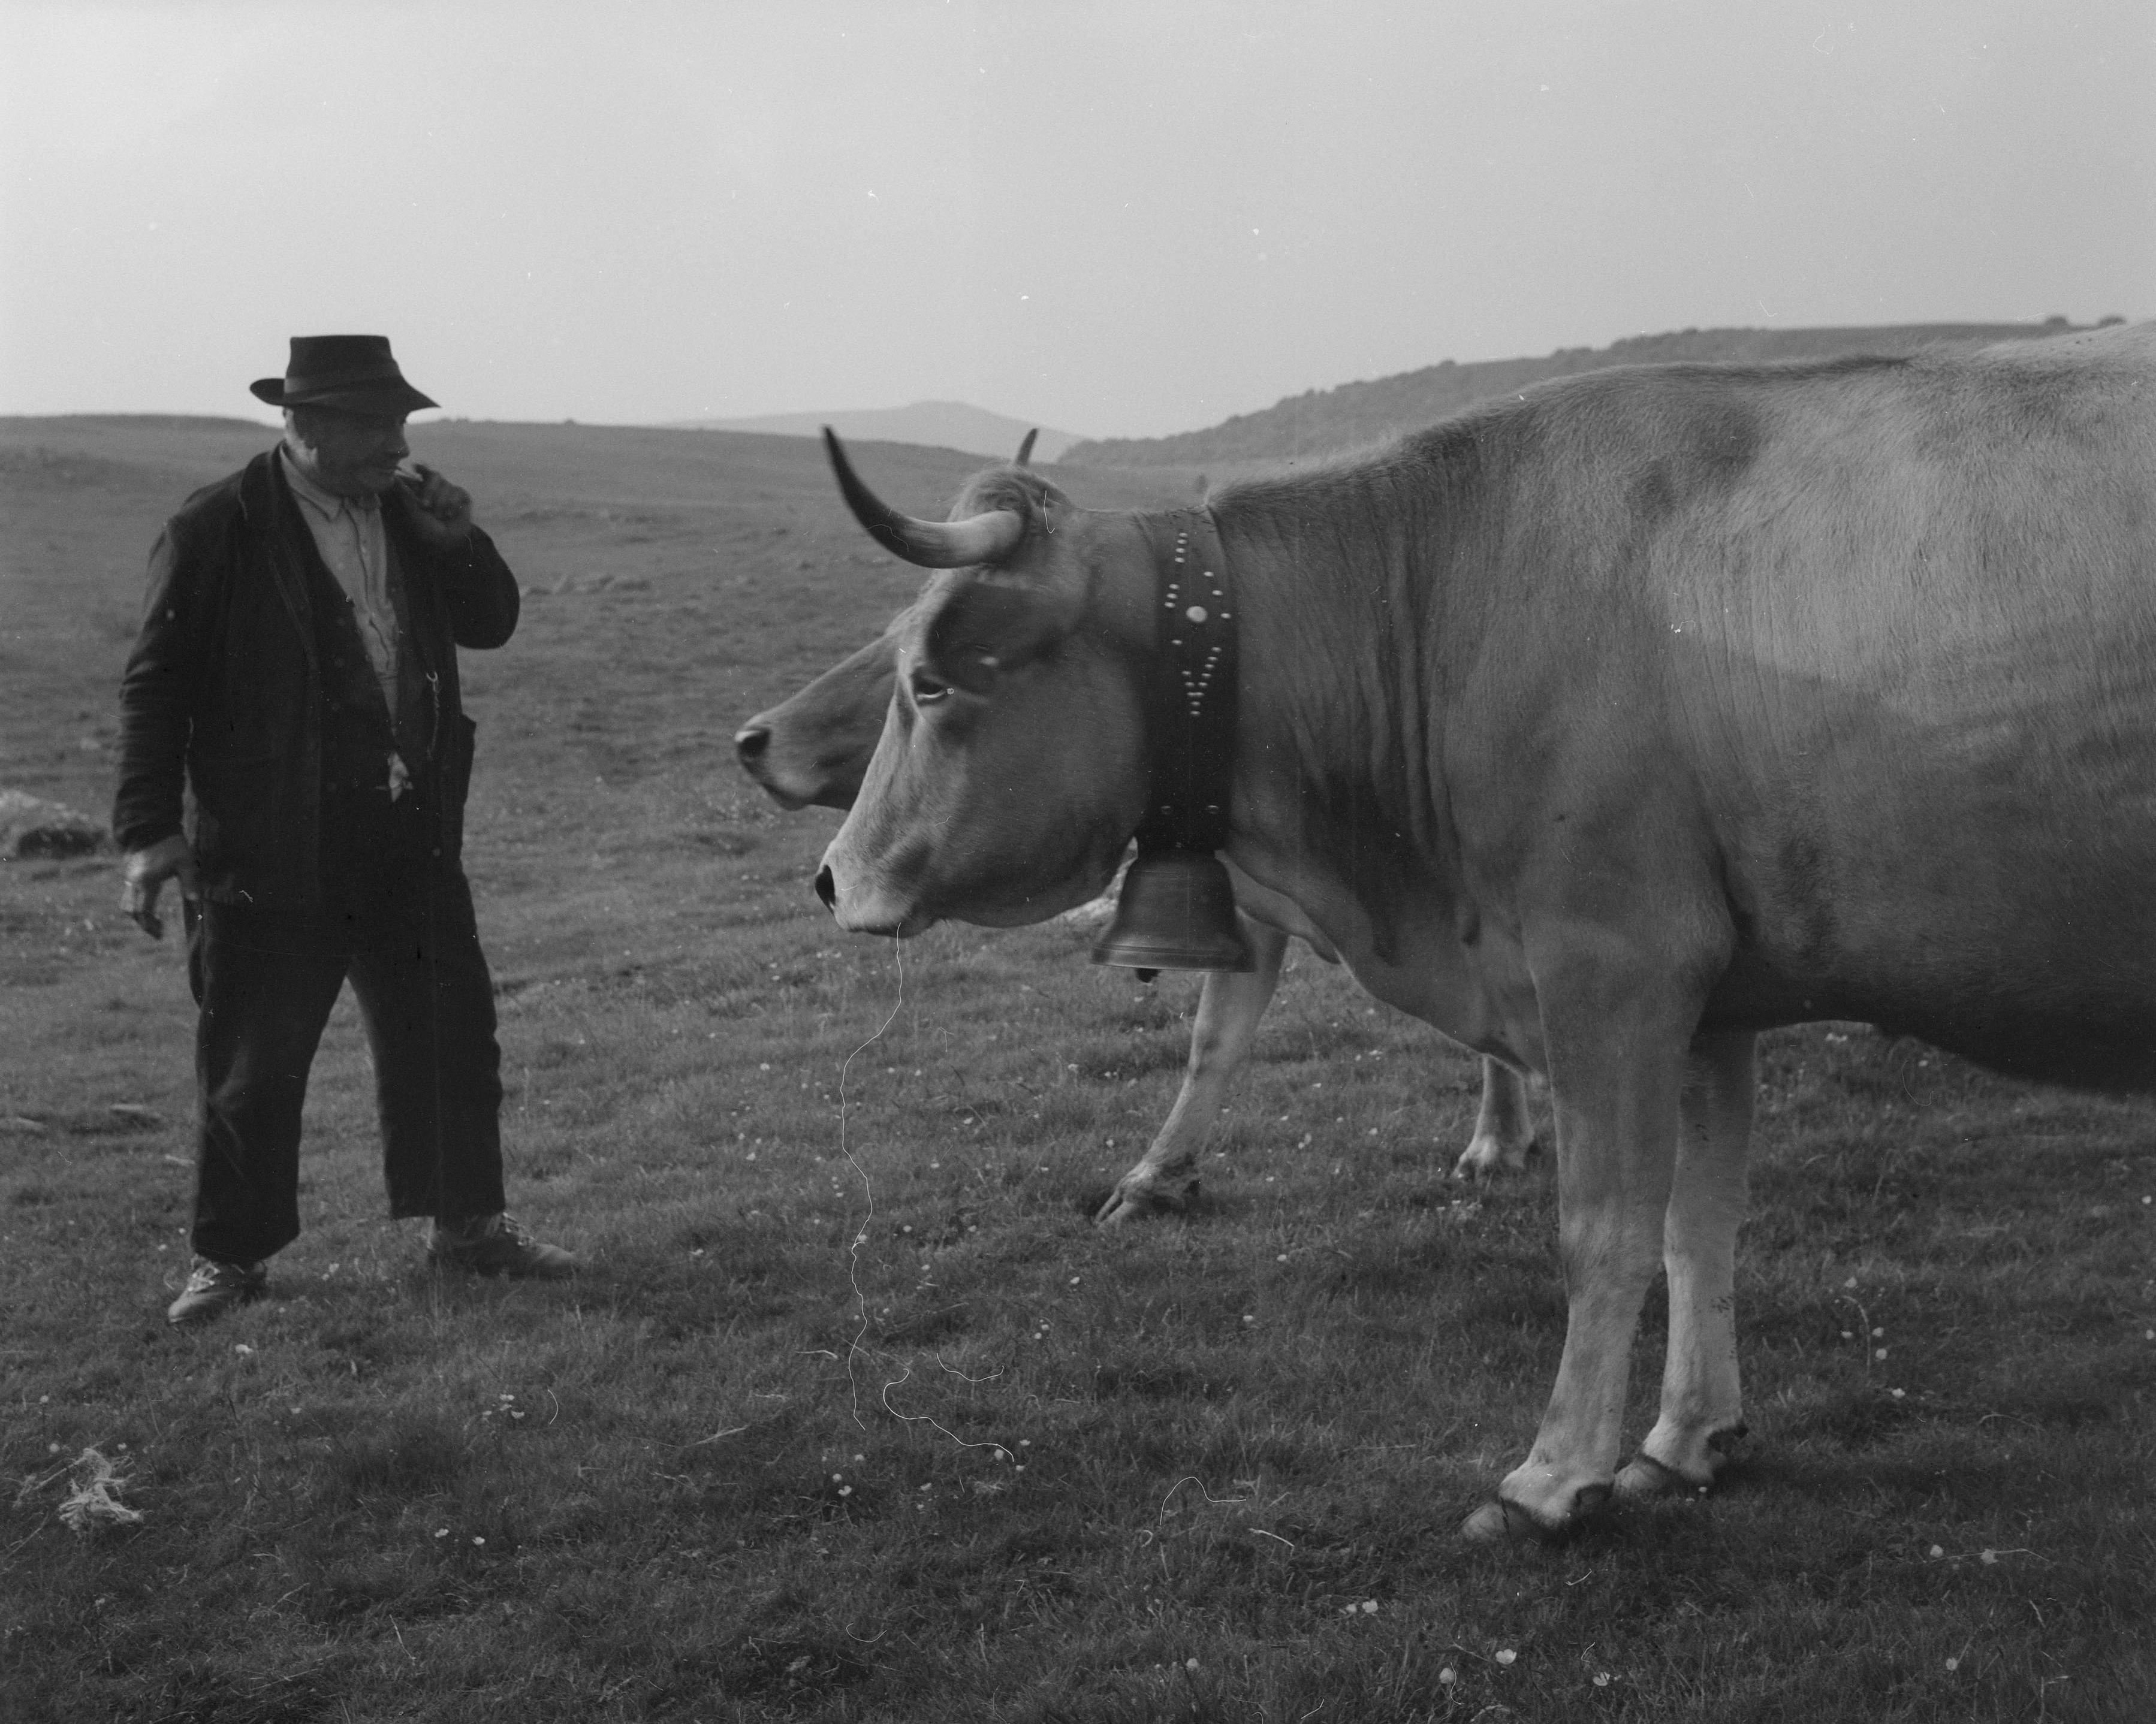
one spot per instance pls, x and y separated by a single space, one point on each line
1010 772
814 747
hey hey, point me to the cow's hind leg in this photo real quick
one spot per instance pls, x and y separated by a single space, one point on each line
1701 1400
1504 1128
1229 1010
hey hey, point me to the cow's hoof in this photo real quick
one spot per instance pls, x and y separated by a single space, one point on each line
1142 1203
1501 1522
1492 1158
1644 1476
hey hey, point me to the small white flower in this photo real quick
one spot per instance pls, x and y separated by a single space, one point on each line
1938 1551
1507 1655
1602 1679
1447 1676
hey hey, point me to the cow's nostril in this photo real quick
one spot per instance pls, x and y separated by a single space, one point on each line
750 743
826 888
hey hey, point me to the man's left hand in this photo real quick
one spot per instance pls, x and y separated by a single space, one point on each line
441 512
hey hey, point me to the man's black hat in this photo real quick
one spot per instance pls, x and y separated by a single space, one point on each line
354 372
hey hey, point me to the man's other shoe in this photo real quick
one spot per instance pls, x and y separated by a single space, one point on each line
214 1287
496 1246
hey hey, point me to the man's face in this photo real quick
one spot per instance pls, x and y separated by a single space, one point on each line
352 455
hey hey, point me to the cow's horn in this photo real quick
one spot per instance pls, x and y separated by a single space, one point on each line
931 544
1025 449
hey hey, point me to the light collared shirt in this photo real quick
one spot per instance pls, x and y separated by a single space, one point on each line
348 533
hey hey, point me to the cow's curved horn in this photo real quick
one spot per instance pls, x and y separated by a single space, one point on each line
1025 449
931 544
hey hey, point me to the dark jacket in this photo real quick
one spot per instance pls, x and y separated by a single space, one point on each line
225 687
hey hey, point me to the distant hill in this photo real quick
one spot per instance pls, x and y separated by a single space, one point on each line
938 424
1323 421
143 422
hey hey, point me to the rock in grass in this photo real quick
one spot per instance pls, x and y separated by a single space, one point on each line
30 826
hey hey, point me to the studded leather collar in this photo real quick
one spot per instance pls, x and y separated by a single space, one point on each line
1191 704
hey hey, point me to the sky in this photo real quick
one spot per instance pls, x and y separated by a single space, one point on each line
1117 218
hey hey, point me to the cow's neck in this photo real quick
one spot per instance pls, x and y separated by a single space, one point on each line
1342 721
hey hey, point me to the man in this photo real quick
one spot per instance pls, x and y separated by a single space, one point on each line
297 670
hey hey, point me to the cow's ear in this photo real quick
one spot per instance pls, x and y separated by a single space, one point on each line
984 628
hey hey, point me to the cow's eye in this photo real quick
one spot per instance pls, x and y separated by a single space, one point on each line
926 688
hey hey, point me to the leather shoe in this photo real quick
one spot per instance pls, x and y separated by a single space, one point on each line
496 1246
214 1287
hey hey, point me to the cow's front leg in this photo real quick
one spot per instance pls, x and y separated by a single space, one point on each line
1617 1064
1701 1400
1229 1009
1504 1129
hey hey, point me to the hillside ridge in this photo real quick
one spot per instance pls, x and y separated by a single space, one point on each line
1324 421
935 424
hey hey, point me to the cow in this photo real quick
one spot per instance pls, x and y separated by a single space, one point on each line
813 749
1605 726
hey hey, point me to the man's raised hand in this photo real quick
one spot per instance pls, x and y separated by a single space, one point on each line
442 512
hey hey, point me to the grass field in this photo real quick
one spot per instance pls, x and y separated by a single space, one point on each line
854 1416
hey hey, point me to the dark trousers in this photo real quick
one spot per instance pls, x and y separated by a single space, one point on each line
265 982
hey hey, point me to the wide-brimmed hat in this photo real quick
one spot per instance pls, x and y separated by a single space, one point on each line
354 373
